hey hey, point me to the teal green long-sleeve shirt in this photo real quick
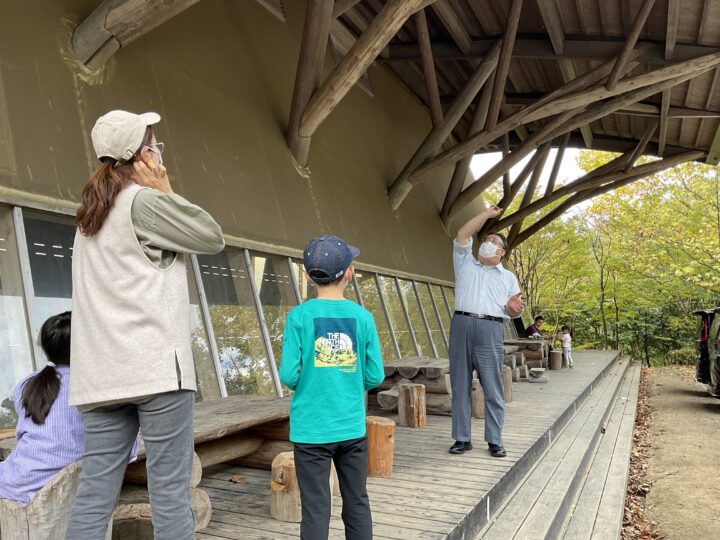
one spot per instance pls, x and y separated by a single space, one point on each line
331 356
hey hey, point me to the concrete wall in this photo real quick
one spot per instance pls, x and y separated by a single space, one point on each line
221 75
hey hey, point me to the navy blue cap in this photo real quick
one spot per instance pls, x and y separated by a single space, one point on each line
327 257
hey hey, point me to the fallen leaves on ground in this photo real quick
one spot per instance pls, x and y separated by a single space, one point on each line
237 479
636 525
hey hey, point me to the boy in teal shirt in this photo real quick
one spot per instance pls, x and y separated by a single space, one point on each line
331 356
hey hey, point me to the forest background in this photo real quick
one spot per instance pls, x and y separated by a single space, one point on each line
627 269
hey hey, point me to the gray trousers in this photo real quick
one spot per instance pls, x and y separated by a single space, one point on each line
166 423
476 345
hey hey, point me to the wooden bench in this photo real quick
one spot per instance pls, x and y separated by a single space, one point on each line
250 430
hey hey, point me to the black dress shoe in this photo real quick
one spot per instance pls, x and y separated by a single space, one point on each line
497 450
460 447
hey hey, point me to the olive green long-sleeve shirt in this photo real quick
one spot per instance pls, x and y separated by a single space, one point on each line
169 224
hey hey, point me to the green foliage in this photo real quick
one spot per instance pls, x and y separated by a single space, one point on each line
627 269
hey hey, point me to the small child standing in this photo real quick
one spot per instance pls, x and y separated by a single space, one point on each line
330 357
566 341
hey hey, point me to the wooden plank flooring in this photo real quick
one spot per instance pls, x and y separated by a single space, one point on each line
432 493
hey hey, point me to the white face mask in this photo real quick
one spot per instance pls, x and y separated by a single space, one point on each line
488 250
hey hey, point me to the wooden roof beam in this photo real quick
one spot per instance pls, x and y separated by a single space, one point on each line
671 32
556 165
560 100
624 55
117 23
590 182
585 195
453 25
664 109
529 191
342 6
366 49
538 48
428 64
553 24
567 70
503 66
642 145
432 142
713 157
318 18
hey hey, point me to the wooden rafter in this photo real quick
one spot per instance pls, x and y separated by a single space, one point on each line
589 181
664 109
553 24
556 165
671 32
507 185
532 48
562 100
642 145
385 25
453 25
501 73
567 70
530 190
462 167
116 23
431 144
624 55
343 6
318 18
428 63
585 195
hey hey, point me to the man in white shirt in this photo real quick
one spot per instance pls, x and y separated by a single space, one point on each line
485 295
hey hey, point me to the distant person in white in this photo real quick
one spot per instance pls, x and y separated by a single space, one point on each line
566 341
486 294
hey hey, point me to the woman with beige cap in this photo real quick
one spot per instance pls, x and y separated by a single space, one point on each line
131 352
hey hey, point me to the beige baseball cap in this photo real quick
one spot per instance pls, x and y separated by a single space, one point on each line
119 134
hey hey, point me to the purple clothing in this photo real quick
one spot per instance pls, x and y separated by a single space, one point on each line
42 450
530 330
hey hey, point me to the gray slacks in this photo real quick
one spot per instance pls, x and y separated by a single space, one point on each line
166 423
476 345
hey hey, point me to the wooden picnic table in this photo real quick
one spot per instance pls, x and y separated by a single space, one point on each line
219 418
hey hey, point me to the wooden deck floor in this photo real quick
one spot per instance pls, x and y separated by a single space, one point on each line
432 494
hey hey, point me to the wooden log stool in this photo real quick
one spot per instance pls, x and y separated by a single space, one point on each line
47 515
411 405
507 383
556 360
381 446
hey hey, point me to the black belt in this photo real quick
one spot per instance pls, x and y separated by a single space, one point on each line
480 316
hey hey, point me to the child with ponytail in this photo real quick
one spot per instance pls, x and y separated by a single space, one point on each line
49 432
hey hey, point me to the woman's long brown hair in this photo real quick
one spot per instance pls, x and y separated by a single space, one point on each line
105 184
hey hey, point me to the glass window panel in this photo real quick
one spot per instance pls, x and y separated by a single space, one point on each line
15 352
277 295
308 289
416 318
243 359
49 242
371 299
442 308
397 316
433 322
205 373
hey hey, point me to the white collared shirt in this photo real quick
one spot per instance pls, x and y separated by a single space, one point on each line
479 288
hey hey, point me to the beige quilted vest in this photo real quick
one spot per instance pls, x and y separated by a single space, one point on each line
130 319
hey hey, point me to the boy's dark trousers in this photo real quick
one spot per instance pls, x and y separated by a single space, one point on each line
312 465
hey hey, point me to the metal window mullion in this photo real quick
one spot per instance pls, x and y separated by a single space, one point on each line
387 316
26 276
294 279
424 319
263 324
437 315
356 286
209 330
407 316
447 304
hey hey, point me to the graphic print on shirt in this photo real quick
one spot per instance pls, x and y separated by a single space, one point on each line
336 343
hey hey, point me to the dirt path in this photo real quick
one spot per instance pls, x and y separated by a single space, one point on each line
683 467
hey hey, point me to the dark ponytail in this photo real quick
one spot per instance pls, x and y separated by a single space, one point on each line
41 390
